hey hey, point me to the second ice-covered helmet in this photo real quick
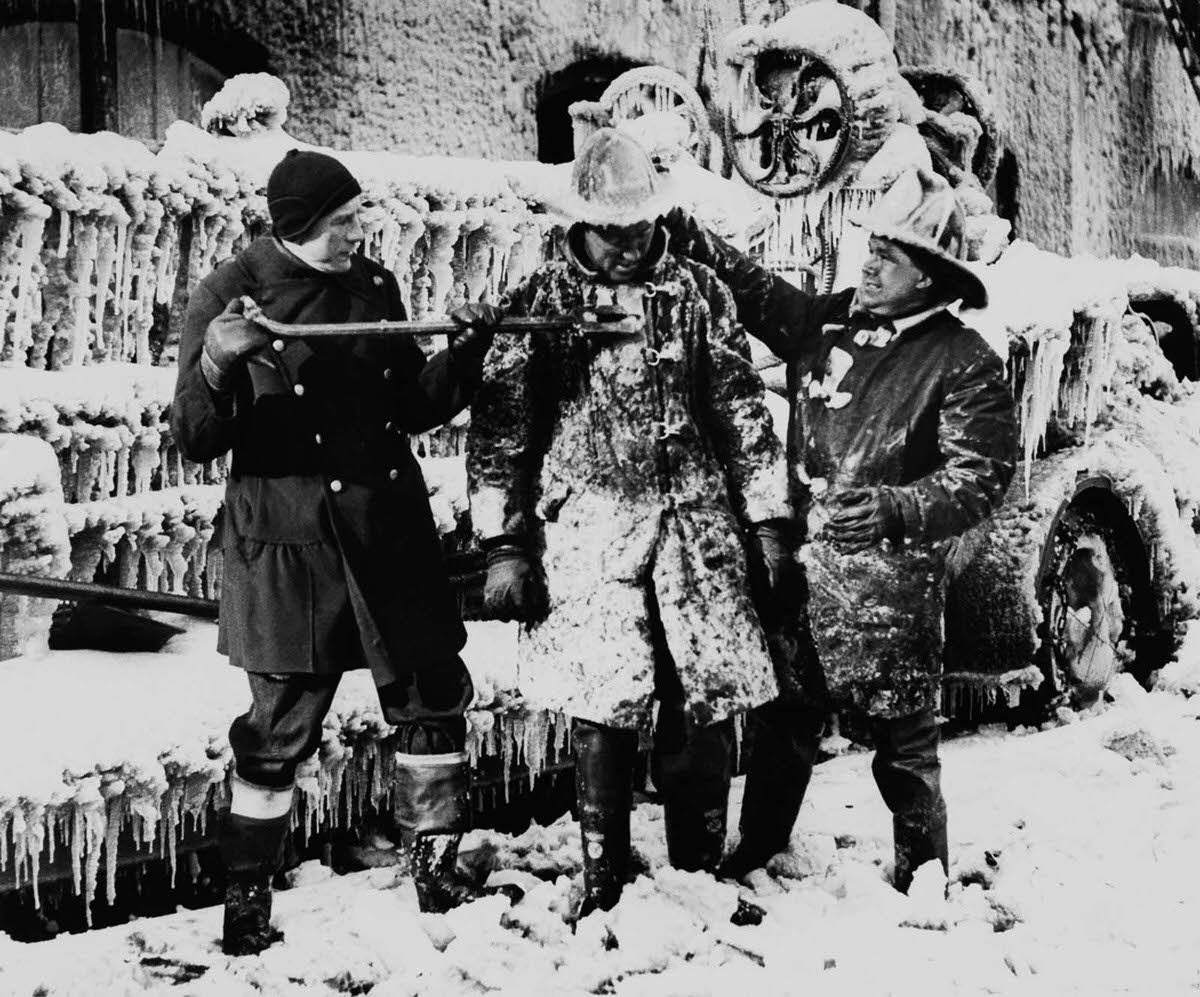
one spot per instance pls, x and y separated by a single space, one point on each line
921 213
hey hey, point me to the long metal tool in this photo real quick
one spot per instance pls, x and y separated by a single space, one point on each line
388 327
603 319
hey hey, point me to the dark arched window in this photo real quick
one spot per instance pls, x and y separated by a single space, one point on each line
583 80
116 65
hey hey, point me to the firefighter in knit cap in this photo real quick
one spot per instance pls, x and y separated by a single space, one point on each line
331 558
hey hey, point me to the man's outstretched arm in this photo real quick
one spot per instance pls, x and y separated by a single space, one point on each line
769 308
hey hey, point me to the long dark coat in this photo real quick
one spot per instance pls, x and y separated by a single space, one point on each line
632 468
332 559
928 418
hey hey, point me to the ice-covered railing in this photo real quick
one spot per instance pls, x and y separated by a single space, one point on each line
142 777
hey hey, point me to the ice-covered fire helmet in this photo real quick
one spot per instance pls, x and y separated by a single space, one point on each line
810 98
921 213
614 183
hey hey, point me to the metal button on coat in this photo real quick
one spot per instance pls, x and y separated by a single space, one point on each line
299 389
335 485
393 474
387 374
317 438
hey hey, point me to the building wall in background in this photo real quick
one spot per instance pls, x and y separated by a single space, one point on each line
1100 128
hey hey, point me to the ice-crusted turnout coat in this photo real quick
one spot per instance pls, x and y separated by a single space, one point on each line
331 557
631 469
925 415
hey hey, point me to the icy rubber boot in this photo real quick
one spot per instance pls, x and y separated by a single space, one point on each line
604 759
694 783
784 749
433 861
247 925
908 774
432 810
251 848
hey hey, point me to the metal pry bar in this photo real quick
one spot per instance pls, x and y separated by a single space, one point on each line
327 330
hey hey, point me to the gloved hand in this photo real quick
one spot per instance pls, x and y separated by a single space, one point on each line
477 323
228 340
861 517
513 590
771 538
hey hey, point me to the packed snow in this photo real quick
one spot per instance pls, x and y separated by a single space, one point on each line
1073 871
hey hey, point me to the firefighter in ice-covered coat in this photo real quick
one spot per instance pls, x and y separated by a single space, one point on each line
332 560
902 436
626 473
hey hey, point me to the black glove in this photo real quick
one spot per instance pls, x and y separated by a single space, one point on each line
861 517
513 590
477 323
228 340
771 539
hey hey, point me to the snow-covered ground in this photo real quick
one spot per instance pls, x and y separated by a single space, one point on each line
1075 870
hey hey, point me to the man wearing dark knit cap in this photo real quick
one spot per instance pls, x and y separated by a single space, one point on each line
331 558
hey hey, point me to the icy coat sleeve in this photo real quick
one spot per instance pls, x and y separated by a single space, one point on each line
510 423
202 421
977 438
433 391
730 395
768 307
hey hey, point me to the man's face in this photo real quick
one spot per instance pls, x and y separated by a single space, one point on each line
892 283
618 253
336 237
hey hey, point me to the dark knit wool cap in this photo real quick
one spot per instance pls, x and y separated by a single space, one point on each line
303 187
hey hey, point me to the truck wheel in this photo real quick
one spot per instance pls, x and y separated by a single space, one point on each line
1099 611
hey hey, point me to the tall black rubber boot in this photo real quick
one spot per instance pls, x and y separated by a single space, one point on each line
604 759
432 810
251 849
784 741
693 778
908 773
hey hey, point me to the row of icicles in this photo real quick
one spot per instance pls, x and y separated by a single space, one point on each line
79 289
335 788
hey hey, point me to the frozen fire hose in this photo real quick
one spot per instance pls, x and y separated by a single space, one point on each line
466 572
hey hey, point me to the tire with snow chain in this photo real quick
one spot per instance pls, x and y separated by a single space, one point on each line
1099 610
1051 595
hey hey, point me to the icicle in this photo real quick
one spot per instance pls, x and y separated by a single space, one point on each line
107 257
96 829
20 844
87 246
442 234
77 842
19 251
1039 399
178 536
167 269
116 815
64 233
145 459
35 833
